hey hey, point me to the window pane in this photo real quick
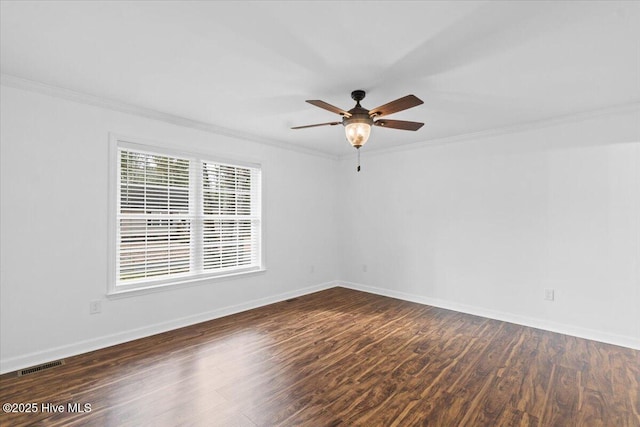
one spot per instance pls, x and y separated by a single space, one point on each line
229 243
153 247
227 190
153 184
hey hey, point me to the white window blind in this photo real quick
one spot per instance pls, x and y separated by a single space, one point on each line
181 217
230 222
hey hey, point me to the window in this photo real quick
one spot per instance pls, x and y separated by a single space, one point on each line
181 217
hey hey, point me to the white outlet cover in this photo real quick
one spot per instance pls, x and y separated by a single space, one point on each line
549 294
95 307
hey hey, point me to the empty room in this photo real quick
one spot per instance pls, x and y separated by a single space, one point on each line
322 213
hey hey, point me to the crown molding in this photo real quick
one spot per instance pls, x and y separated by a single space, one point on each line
507 130
123 107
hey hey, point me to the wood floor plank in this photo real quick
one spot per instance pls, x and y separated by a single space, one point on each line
537 363
341 357
515 418
563 396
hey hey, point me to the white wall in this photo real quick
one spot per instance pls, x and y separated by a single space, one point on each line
54 230
485 225
482 226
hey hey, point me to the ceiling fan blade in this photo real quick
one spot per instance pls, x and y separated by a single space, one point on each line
398 124
319 124
328 107
400 104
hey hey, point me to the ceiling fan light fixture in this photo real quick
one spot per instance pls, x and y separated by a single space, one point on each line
358 131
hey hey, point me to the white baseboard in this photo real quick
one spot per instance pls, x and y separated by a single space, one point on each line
620 340
36 358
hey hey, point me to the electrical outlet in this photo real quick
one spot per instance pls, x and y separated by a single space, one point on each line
549 294
312 269
95 307
364 268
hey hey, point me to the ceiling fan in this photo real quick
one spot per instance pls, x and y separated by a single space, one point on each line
358 121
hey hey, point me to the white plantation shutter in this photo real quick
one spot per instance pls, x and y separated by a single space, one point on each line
181 217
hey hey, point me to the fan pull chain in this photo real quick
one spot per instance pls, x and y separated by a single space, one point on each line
358 159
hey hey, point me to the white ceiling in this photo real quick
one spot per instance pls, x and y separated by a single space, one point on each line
248 67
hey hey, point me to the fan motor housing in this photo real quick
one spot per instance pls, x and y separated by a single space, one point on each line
358 115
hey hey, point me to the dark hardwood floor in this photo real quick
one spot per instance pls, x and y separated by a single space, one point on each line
340 357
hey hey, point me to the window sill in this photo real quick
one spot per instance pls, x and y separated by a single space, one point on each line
178 284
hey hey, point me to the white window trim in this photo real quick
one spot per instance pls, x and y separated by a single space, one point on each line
113 290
